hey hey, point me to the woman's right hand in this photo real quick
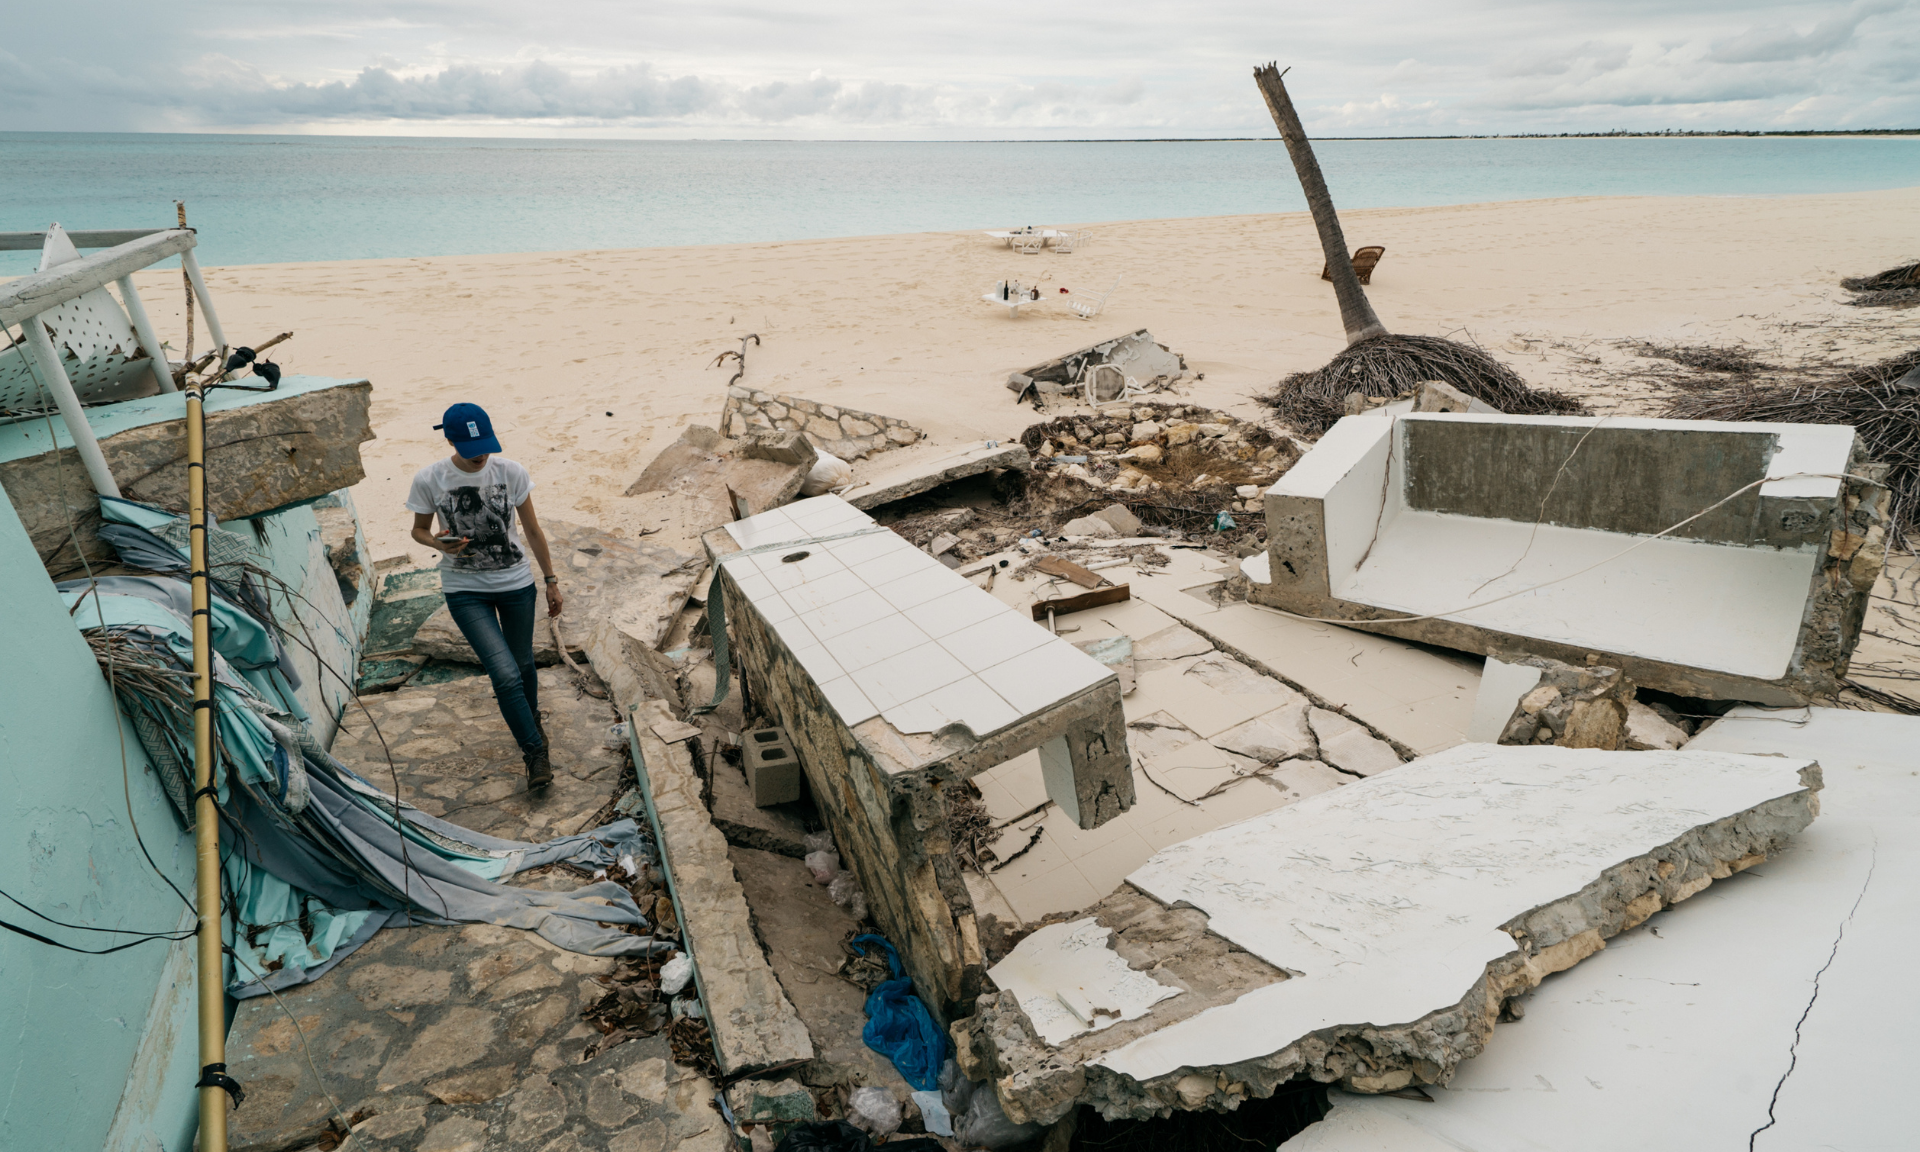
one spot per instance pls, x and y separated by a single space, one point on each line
454 546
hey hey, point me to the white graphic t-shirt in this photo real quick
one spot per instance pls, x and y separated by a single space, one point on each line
479 505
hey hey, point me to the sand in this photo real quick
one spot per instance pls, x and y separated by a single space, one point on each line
591 362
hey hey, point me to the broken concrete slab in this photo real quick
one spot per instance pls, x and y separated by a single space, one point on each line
1122 518
845 432
1648 730
1068 980
779 447
265 450
893 676
1640 559
1574 707
695 483
1089 526
1721 1034
1348 746
1136 356
1506 864
925 472
752 1021
1170 643
1421 699
1440 396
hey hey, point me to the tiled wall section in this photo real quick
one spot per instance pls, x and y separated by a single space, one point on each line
844 432
912 885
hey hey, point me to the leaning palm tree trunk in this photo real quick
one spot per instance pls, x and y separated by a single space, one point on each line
1375 362
1355 312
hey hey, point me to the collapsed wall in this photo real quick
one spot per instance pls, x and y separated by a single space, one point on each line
1368 936
895 679
265 451
1707 559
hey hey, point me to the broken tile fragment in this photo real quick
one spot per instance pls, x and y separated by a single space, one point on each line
1350 747
1281 734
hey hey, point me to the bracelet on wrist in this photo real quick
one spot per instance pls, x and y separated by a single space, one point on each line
553 579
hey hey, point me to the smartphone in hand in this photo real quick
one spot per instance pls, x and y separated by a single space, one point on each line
454 544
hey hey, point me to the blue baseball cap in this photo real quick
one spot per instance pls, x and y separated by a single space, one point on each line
470 430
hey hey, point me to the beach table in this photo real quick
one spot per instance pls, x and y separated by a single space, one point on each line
1008 236
1013 301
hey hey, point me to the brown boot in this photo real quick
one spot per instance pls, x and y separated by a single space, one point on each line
539 770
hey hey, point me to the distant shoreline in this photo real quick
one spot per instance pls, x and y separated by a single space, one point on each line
1619 134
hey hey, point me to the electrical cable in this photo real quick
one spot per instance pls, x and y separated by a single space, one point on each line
86 927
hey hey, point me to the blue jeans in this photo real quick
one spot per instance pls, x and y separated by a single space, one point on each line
499 625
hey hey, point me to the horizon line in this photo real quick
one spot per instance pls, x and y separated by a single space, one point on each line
1610 134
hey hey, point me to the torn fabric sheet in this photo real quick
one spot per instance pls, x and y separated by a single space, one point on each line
318 858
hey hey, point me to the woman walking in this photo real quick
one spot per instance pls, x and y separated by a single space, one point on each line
484 573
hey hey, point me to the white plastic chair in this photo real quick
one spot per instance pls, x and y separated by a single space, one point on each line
1028 243
1065 242
1090 307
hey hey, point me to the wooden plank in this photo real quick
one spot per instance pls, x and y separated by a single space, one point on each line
1085 600
34 294
1058 566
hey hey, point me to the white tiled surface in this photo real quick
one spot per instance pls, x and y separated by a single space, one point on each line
887 630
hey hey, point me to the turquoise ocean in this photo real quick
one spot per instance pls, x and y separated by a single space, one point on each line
271 199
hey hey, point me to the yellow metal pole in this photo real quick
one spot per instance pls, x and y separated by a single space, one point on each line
206 813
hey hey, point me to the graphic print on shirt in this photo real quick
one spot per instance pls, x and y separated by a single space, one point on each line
482 513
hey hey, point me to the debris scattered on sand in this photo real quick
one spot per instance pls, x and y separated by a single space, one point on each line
1895 288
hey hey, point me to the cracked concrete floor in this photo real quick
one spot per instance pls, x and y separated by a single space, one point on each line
467 1039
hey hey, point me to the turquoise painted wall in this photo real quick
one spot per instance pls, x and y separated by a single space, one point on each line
73 1024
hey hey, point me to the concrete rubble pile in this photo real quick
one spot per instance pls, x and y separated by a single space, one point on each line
1074 960
1110 370
1070 720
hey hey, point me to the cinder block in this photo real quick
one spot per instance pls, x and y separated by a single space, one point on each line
773 771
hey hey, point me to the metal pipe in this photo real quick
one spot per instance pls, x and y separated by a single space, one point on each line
206 812
47 367
192 267
143 328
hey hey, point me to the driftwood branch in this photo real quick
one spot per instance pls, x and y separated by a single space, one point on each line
740 357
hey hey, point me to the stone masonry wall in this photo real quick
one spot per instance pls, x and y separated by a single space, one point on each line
844 432
891 841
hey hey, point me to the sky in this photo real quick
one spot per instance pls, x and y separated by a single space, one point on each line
986 69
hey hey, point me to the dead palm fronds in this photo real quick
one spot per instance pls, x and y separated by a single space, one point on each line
1881 402
1376 362
1905 276
1391 365
1895 288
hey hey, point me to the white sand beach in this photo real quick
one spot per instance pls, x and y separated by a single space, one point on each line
590 362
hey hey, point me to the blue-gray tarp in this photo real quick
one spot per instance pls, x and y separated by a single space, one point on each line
304 837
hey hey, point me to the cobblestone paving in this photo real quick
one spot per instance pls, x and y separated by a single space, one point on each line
455 758
467 1039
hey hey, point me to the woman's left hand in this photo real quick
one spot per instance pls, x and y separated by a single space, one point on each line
554 600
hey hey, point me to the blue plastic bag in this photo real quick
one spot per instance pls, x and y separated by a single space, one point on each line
899 1026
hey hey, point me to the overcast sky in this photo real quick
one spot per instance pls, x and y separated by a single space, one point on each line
989 69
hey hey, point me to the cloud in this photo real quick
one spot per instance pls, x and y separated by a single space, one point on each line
638 93
1774 43
1591 56
994 69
